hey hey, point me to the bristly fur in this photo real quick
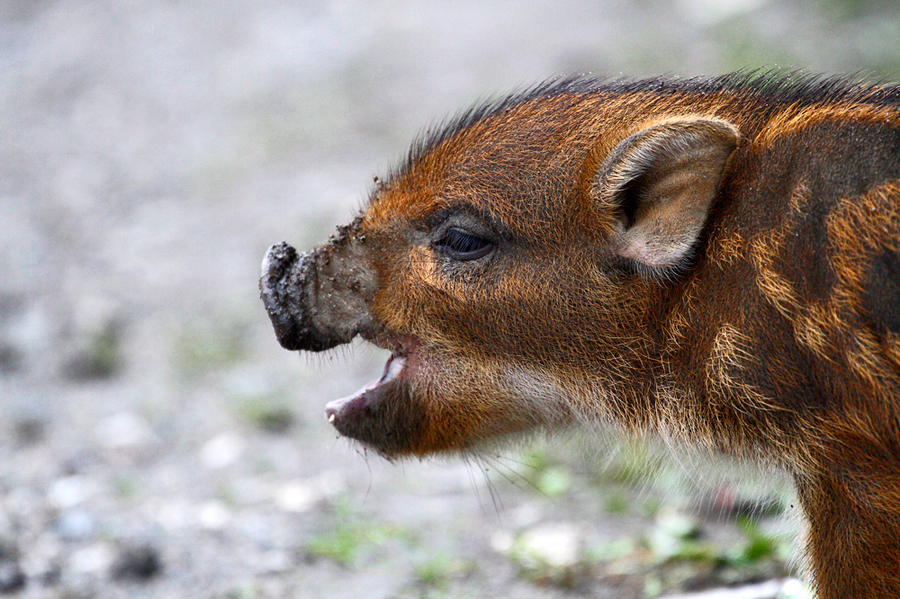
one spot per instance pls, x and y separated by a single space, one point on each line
772 88
713 260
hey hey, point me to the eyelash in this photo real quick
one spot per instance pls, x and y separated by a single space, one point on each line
459 244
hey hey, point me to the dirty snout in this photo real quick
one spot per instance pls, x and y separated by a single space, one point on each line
323 298
319 299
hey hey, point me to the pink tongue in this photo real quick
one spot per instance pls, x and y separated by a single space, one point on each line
392 370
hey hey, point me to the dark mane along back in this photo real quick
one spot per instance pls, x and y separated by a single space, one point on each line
768 87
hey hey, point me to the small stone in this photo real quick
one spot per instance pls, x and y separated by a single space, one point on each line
123 431
76 525
677 524
275 561
29 430
559 545
94 558
296 497
556 546
137 562
175 515
12 578
214 515
301 495
222 450
69 491
502 541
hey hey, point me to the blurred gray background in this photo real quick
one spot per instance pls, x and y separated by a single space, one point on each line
157 442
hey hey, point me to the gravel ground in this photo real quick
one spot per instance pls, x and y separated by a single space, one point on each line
156 441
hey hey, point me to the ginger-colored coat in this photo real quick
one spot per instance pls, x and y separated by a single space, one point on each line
714 260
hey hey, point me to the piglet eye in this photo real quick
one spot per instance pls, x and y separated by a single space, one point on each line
462 245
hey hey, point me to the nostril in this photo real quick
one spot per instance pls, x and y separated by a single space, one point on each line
284 287
276 261
273 288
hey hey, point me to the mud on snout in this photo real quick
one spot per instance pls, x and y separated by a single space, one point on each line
321 299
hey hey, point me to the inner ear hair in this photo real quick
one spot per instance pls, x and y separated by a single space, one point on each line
660 182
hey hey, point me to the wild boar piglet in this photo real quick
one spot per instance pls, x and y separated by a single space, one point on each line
716 260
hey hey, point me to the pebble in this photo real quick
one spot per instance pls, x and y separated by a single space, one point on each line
175 515
29 430
136 562
301 495
296 497
31 331
222 450
12 578
69 491
124 430
275 561
91 559
214 515
76 525
559 545
556 545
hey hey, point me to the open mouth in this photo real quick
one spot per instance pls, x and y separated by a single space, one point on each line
385 415
341 408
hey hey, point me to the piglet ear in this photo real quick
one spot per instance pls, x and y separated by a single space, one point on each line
660 183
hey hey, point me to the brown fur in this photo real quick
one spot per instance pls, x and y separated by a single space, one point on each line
716 260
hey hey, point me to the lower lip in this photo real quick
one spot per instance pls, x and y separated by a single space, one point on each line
392 370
